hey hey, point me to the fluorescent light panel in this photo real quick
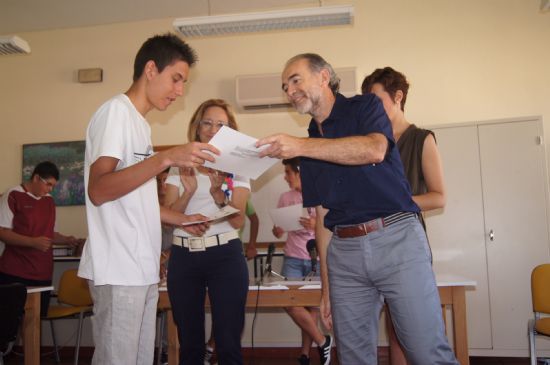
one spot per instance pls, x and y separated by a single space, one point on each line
13 45
264 21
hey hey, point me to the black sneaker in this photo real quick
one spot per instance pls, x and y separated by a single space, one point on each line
303 360
324 350
163 358
208 354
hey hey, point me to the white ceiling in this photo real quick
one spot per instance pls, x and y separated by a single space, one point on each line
18 16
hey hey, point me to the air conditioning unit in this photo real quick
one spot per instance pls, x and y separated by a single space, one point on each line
263 92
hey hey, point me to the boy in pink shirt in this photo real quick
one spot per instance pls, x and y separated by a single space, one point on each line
297 264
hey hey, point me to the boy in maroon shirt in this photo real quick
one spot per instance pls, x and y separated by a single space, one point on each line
27 220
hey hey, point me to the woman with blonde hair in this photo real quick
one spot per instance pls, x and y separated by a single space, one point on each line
213 263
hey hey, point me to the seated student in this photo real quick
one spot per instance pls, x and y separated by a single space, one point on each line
167 229
250 213
297 264
27 221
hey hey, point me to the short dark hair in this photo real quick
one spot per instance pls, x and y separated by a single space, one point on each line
294 163
316 64
163 50
390 79
45 170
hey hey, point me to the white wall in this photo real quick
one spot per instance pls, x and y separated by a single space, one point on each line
466 60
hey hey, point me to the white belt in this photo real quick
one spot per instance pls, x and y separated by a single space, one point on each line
201 243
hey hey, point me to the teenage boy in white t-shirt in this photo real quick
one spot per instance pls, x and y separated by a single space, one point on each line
121 256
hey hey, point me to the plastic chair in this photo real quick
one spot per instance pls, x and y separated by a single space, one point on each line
540 282
75 301
12 308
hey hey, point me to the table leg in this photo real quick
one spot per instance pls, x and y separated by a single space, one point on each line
173 343
31 329
459 321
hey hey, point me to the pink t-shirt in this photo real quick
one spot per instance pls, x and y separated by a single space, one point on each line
296 241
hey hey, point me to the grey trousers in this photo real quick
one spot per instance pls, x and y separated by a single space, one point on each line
124 324
393 263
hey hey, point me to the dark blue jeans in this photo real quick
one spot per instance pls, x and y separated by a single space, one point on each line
223 270
44 296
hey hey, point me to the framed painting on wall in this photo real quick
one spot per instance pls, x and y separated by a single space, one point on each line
69 158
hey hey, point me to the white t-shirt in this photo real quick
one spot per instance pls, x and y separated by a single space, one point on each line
202 201
124 235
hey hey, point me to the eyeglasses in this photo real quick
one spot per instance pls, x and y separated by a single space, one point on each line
48 183
209 124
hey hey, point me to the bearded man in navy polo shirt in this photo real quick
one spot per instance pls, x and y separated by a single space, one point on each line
371 244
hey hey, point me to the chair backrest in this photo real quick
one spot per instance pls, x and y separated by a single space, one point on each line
540 288
73 290
12 308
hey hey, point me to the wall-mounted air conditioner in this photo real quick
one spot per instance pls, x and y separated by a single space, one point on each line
263 92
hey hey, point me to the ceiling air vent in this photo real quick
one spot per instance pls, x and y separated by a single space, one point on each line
212 25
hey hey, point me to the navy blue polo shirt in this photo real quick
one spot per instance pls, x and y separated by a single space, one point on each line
356 194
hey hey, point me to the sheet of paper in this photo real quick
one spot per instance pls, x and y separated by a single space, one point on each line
238 154
268 287
316 281
310 287
288 218
223 212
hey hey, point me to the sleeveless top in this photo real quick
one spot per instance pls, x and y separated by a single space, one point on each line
411 145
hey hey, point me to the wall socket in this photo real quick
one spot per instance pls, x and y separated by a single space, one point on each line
86 75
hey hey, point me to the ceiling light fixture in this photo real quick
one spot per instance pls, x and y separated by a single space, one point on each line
264 21
13 45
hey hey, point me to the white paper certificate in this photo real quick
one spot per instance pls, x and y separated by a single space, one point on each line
288 218
239 154
223 212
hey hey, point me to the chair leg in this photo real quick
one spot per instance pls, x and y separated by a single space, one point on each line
162 320
78 336
55 348
531 333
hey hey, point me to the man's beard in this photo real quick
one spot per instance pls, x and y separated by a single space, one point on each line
309 104
304 107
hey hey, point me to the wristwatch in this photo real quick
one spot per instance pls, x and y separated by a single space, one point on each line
224 203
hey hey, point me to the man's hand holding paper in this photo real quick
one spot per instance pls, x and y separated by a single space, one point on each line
281 146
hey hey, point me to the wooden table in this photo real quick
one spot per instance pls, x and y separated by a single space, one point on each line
452 293
451 290
31 325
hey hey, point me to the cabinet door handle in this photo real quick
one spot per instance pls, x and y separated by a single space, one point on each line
491 235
